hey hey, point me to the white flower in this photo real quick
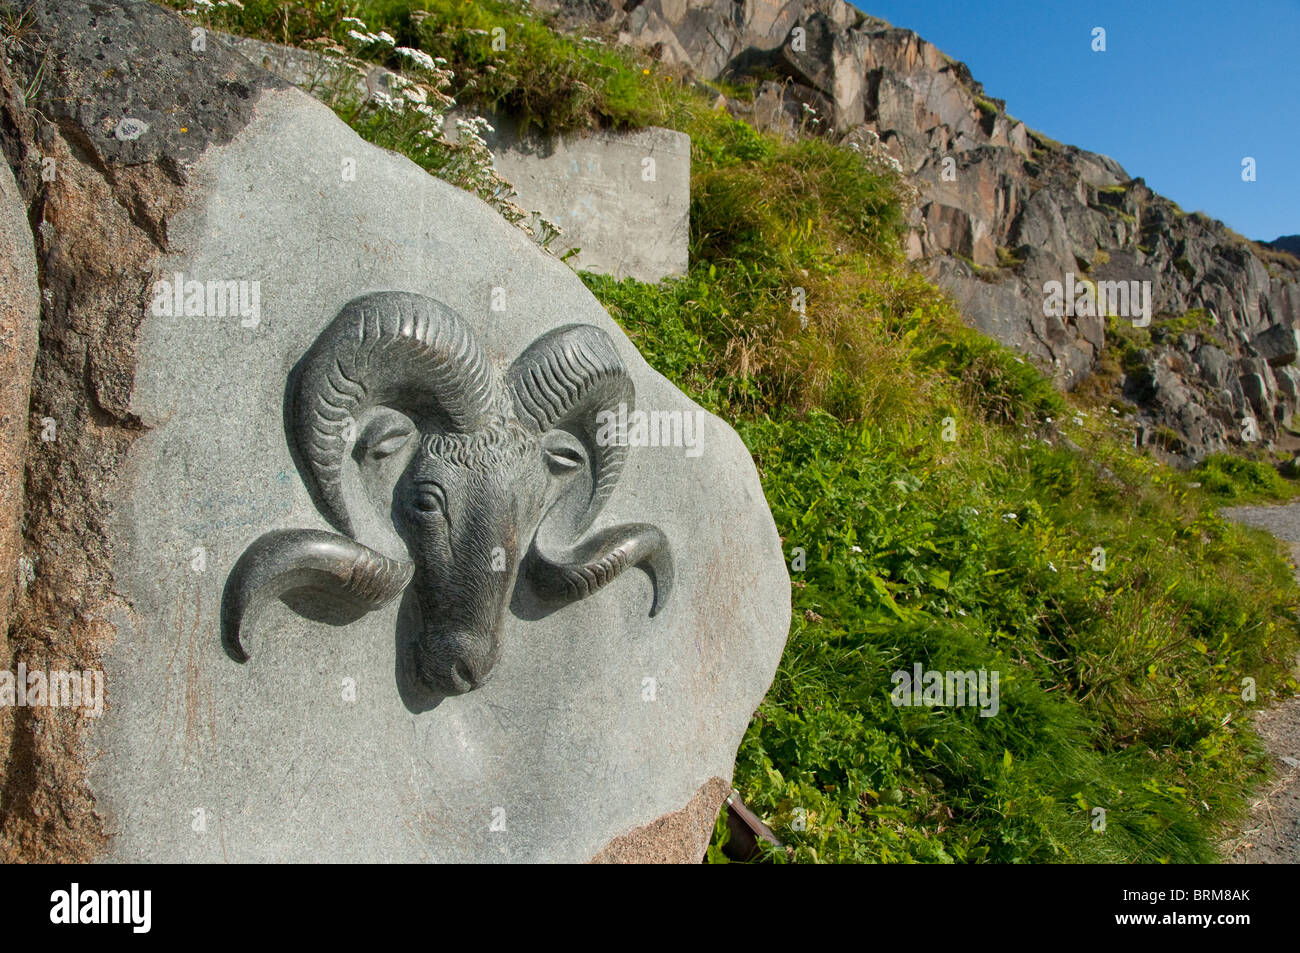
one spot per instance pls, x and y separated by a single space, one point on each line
366 39
418 57
856 549
384 101
1008 516
415 94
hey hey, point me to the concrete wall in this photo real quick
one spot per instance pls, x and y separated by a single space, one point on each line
622 198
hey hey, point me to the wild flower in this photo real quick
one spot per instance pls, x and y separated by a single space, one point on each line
418 57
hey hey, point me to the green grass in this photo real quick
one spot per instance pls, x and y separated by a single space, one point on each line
1120 681
1120 688
1196 321
1242 480
1044 142
503 55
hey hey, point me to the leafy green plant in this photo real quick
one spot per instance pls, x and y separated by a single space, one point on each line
1240 479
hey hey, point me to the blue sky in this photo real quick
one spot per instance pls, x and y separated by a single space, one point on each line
1183 92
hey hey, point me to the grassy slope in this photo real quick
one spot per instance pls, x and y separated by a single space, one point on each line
1121 687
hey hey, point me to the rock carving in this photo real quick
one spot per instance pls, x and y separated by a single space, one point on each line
396 408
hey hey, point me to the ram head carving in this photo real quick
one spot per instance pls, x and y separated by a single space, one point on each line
396 408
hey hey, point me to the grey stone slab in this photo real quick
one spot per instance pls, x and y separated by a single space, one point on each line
570 743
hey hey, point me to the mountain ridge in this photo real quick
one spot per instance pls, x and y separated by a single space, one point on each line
1287 243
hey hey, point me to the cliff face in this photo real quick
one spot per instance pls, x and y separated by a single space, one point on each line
1037 241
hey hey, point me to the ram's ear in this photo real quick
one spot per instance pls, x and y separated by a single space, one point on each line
385 434
385 442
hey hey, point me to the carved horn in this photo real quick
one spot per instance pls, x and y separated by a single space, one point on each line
402 350
564 379
283 560
584 568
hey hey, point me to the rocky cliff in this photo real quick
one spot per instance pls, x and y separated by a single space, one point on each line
1052 249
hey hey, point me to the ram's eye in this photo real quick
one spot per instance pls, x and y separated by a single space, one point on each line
563 459
563 451
384 437
429 498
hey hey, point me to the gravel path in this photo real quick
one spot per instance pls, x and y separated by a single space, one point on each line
1272 832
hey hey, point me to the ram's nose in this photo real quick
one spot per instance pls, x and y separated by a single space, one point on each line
456 663
468 675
